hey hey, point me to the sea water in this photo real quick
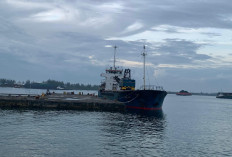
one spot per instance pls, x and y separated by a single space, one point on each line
189 126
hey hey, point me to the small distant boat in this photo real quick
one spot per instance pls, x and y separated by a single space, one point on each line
183 93
18 86
60 88
224 95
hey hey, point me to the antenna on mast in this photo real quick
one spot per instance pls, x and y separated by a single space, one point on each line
115 47
144 56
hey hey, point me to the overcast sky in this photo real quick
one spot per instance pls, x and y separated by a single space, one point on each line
189 43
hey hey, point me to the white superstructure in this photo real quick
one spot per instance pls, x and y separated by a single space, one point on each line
112 77
116 78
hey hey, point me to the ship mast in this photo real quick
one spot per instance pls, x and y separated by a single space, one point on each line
144 56
115 47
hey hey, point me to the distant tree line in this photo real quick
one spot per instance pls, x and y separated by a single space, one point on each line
7 83
49 84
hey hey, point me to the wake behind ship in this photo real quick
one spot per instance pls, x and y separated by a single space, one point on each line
118 85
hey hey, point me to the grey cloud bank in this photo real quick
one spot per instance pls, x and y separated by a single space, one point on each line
66 40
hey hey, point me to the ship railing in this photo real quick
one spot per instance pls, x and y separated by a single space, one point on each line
151 87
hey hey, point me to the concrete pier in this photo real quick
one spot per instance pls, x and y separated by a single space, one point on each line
60 102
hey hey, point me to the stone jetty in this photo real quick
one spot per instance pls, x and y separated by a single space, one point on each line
60 102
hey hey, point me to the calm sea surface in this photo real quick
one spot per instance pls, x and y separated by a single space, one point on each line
190 126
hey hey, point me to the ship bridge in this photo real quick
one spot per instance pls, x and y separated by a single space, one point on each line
112 77
115 70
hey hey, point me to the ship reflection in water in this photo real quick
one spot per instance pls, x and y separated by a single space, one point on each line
125 133
147 113
75 133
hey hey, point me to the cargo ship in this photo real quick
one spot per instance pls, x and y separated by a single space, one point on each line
183 93
224 95
119 85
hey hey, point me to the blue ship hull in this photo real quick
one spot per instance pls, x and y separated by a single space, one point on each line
137 100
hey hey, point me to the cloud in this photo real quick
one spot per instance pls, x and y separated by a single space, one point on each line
133 28
174 51
72 40
191 14
25 4
52 15
128 63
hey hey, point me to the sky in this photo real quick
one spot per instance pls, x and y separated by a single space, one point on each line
188 43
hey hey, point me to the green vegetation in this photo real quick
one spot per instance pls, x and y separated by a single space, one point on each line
49 84
7 83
